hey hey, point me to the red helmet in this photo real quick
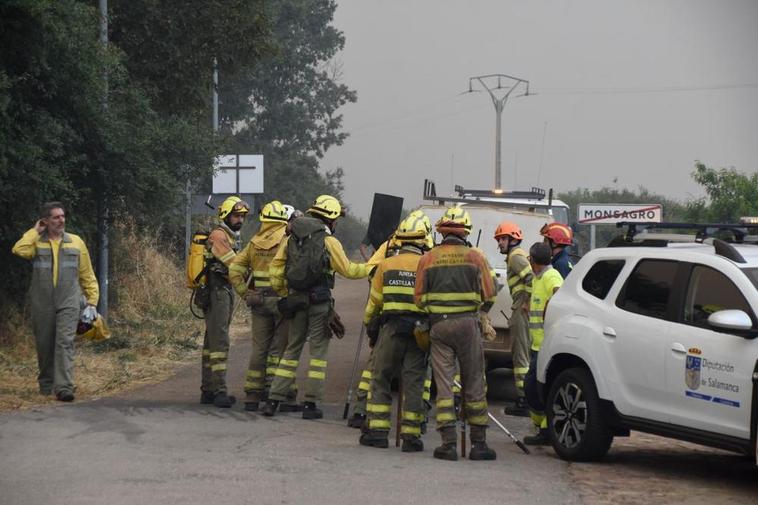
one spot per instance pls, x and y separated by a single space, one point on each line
559 234
508 229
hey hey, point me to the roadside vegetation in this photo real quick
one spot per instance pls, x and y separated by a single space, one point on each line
152 330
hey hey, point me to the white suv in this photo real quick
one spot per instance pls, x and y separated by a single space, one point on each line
658 336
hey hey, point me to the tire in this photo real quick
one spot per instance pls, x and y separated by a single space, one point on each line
576 428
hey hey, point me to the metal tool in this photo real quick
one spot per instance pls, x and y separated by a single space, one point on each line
516 441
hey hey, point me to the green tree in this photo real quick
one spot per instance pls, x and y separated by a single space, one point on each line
729 195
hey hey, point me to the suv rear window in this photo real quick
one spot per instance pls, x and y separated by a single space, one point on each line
601 277
648 288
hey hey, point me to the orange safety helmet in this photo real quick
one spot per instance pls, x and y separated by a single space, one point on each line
508 229
559 234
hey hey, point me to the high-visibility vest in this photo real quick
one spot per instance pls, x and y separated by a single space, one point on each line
542 290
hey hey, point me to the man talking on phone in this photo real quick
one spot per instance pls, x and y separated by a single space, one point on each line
61 273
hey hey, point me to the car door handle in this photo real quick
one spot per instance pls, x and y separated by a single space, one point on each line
678 348
609 332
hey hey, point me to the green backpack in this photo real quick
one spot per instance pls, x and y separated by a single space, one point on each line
307 259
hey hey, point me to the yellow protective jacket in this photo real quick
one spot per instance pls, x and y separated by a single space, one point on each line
220 250
256 257
520 277
60 274
543 286
338 262
388 248
392 285
454 278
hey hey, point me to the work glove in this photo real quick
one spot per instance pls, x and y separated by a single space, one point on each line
488 331
89 314
335 325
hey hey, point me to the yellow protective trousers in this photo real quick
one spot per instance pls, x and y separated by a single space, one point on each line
309 324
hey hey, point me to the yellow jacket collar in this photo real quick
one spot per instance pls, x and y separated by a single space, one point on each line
269 235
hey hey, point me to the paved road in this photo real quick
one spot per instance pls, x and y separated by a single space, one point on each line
158 445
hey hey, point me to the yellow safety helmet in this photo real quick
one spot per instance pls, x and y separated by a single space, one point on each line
455 220
96 331
413 229
233 204
425 219
327 206
273 212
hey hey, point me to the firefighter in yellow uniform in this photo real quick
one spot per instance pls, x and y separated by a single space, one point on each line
255 259
453 283
509 237
547 280
396 352
309 304
389 247
61 272
220 250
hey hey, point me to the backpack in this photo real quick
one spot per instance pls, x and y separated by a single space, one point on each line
307 258
196 260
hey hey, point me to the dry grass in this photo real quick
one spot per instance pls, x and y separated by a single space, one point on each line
152 330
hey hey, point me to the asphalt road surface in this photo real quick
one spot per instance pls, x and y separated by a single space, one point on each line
159 445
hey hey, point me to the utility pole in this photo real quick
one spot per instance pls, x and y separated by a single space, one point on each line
103 203
188 187
488 83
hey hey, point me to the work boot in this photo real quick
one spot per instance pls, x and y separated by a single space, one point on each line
252 400
518 409
480 451
290 407
65 396
541 438
357 421
223 401
310 411
412 444
206 397
447 451
374 438
269 409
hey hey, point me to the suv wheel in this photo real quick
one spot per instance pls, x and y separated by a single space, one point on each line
575 418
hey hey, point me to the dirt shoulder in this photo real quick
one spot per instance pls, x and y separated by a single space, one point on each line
108 368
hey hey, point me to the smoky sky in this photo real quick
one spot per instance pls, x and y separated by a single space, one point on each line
626 91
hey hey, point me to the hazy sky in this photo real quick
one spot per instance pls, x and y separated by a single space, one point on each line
636 90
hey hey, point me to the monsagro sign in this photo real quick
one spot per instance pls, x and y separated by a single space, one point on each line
610 213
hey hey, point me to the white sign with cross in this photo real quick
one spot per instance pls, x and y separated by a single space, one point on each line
238 174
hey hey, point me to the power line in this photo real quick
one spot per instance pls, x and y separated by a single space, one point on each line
642 89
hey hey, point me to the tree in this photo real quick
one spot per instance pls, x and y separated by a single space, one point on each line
729 195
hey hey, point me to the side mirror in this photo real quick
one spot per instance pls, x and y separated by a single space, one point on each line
730 320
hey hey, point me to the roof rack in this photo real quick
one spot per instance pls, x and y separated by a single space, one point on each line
477 195
703 232
533 194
